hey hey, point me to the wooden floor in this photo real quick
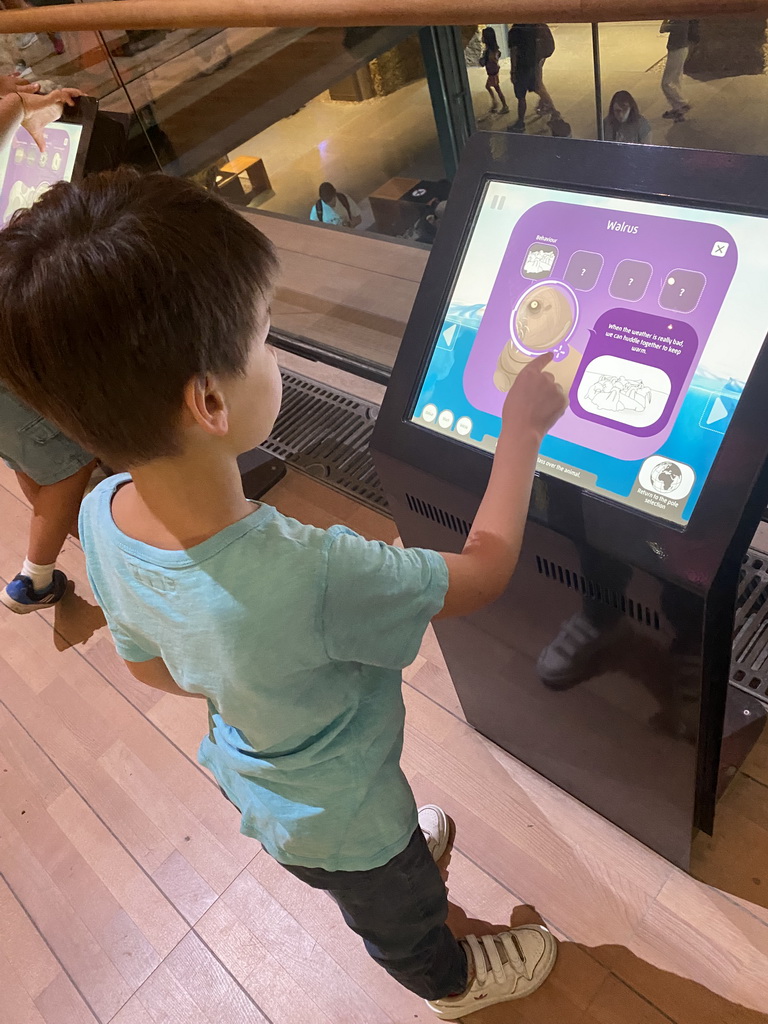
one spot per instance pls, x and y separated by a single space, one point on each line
128 895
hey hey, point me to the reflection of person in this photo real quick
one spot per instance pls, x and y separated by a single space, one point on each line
529 46
52 470
624 122
333 207
28 39
490 61
681 36
296 636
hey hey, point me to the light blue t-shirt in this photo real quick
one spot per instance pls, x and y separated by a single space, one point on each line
297 637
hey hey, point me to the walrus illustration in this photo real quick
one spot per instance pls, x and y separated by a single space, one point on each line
541 323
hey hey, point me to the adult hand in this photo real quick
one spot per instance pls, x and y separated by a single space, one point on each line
39 111
15 83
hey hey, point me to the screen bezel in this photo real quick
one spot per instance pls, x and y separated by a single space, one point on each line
83 113
481 193
688 178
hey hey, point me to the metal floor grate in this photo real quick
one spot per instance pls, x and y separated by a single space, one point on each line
325 433
749 665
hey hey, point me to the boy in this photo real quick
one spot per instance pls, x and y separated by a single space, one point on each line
156 360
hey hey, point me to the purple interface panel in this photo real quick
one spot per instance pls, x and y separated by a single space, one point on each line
27 172
633 299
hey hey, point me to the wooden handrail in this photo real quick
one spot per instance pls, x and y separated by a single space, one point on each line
138 14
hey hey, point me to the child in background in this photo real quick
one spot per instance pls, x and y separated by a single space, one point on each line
490 61
155 357
52 471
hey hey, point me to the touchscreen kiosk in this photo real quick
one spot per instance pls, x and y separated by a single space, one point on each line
643 271
26 173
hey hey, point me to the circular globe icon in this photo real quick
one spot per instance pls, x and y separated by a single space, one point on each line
666 477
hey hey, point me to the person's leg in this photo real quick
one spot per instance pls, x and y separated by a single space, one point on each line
399 910
504 107
489 90
672 78
545 100
54 515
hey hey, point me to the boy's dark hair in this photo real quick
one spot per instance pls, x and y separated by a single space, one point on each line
327 192
114 293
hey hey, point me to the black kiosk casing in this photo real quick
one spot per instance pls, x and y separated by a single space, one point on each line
638 737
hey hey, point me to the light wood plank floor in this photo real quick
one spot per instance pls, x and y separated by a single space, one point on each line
128 895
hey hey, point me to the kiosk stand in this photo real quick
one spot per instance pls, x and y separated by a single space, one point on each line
605 666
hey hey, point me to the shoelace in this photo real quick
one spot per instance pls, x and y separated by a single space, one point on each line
490 953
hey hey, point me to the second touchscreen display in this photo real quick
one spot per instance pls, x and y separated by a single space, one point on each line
653 315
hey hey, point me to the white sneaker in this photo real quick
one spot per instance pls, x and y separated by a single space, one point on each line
26 40
506 966
434 823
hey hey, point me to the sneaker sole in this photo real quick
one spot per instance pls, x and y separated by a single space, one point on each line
24 609
543 971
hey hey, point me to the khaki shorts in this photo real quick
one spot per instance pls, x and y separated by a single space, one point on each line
30 444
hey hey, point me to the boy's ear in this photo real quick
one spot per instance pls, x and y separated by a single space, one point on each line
205 403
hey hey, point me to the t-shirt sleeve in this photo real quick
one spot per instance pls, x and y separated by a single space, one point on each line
125 644
379 600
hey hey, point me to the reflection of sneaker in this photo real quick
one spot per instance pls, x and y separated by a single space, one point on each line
434 823
569 659
506 966
21 597
23 70
518 126
26 40
504 109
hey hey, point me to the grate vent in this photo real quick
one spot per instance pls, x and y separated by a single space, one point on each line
325 433
749 665
598 592
438 515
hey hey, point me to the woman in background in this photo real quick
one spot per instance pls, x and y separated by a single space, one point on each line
490 61
624 122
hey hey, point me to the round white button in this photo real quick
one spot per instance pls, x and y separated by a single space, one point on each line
429 413
463 425
445 419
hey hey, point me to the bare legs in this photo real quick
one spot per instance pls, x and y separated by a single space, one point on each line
54 513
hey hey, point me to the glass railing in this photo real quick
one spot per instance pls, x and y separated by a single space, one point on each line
270 118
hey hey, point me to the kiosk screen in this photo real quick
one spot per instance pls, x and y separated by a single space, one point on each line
654 314
25 172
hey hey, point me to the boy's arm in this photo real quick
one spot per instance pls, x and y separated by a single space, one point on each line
480 574
155 673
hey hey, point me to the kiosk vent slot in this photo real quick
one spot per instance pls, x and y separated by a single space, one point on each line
438 515
595 591
749 665
325 433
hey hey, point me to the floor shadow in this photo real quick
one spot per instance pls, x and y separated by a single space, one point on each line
75 620
599 984
627 991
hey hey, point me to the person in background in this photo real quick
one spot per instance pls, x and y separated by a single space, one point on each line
624 122
28 38
334 207
682 35
529 46
490 61
52 471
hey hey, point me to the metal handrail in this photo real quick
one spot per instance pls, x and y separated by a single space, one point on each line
138 14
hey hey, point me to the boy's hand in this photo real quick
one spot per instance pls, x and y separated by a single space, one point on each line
535 401
39 111
10 84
